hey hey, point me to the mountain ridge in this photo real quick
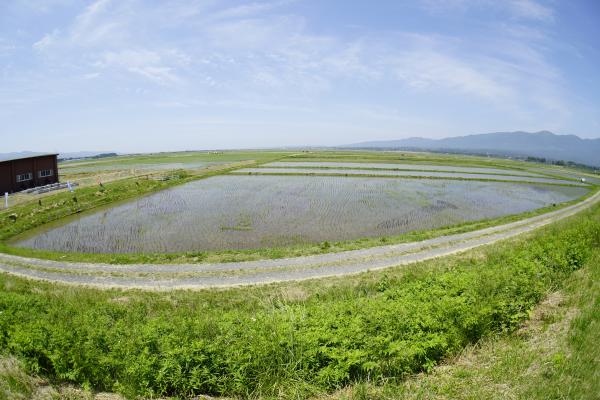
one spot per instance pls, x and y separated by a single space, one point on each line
542 144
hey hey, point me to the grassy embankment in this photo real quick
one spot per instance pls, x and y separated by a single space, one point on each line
297 340
553 355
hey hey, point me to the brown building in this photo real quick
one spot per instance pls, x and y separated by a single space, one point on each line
23 173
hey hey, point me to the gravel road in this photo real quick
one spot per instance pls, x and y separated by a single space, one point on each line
201 276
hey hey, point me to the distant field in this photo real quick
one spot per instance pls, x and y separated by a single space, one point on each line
417 174
92 171
397 166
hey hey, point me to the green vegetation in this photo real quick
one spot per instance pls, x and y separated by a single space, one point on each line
21 218
89 172
292 340
180 157
573 369
16 384
410 157
554 355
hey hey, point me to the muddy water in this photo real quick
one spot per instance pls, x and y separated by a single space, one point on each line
240 212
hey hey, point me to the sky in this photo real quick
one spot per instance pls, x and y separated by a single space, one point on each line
164 75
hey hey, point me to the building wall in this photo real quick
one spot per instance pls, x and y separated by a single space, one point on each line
10 169
5 178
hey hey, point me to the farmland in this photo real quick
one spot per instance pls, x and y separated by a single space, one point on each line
395 298
415 174
128 166
236 212
280 203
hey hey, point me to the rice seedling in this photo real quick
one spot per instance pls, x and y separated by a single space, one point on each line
246 212
391 172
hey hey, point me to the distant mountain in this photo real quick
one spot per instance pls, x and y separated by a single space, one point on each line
19 154
83 154
62 156
542 144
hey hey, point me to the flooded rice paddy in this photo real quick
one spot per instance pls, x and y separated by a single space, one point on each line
418 167
589 178
77 169
252 211
391 172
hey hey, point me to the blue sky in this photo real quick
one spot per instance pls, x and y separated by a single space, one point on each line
152 75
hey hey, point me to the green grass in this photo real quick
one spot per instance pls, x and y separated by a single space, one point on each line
27 216
438 159
90 172
412 157
180 157
16 384
553 355
572 371
291 340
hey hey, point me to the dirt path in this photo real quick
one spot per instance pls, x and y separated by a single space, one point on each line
200 276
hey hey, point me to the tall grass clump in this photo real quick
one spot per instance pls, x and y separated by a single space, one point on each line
292 340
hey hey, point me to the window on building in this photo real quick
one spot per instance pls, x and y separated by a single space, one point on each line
24 177
45 173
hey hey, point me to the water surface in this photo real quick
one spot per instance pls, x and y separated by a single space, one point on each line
241 212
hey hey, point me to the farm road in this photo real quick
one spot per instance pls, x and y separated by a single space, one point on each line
201 276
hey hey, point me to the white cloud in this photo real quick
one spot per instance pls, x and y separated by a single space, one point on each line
158 67
106 35
431 70
103 23
47 40
91 75
254 33
251 9
531 9
98 26
439 6
44 6
519 9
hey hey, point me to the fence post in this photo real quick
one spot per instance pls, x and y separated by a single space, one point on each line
5 199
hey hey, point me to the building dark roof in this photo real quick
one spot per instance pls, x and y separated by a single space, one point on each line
22 156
